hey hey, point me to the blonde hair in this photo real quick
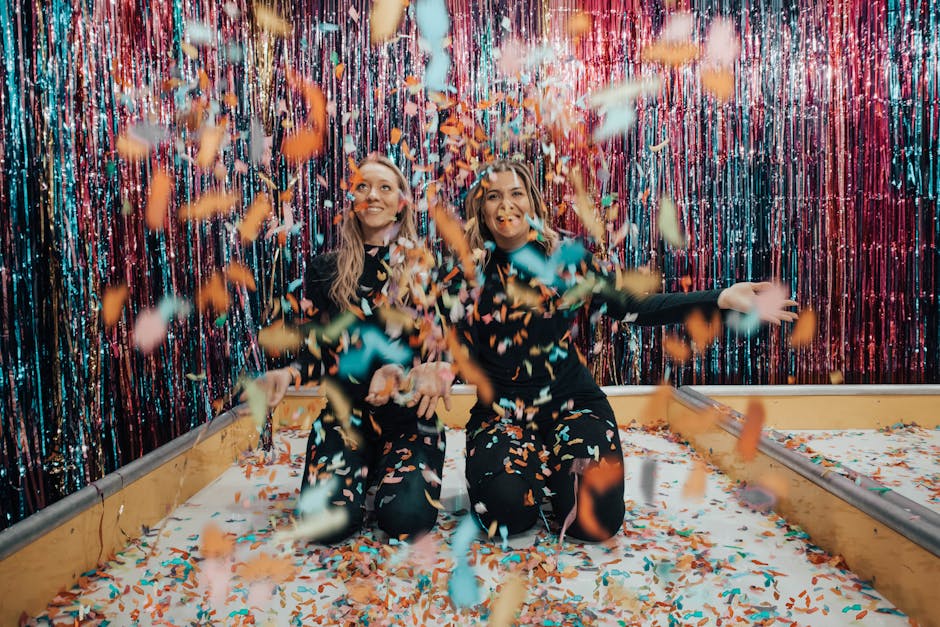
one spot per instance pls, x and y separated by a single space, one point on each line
478 233
349 257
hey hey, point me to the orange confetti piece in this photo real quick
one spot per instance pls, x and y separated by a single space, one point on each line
216 543
112 303
670 53
259 211
213 294
338 70
384 20
694 488
805 329
836 377
270 21
751 431
396 135
209 205
361 592
701 331
158 200
132 149
302 145
279 570
278 338
240 275
469 371
451 230
719 83
597 479
209 142
677 349
639 283
579 23
512 595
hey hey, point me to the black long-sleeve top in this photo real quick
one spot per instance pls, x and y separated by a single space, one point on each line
518 322
363 346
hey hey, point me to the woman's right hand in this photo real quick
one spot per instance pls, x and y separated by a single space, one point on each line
274 383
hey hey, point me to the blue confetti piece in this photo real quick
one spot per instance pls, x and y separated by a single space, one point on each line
548 271
293 285
355 363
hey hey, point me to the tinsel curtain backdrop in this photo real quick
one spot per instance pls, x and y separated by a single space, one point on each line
821 170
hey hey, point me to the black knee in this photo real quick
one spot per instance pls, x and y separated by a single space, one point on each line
600 516
401 517
509 500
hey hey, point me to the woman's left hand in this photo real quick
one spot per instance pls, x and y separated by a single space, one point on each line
769 299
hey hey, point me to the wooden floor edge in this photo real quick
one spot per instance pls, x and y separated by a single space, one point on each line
32 576
896 566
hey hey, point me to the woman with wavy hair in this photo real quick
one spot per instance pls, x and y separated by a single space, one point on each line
551 431
362 338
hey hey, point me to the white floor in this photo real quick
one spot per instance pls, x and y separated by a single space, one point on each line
677 562
903 458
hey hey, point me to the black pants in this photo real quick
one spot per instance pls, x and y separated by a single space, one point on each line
397 458
574 454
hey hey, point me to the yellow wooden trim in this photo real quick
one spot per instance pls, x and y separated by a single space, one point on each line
842 412
31 577
300 410
896 566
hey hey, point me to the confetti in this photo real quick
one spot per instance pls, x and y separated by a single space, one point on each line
751 430
584 208
259 211
452 231
722 47
132 149
158 200
804 331
668 223
240 274
149 330
507 605
209 205
279 338
677 349
209 142
216 543
276 569
701 331
670 54
384 19
719 83
112 304
213 294
469 371
694 488
270 21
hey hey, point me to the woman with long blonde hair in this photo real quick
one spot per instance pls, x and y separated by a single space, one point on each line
363 291
551 431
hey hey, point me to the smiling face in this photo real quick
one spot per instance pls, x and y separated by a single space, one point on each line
378 203
506 204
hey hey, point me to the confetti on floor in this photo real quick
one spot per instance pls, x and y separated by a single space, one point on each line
676 561
905 458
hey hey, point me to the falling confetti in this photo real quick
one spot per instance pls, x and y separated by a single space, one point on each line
751 430
668 223
384 19
804 331
158 200
112 304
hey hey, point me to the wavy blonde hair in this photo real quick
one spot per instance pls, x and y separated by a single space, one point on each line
349 257
478 233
